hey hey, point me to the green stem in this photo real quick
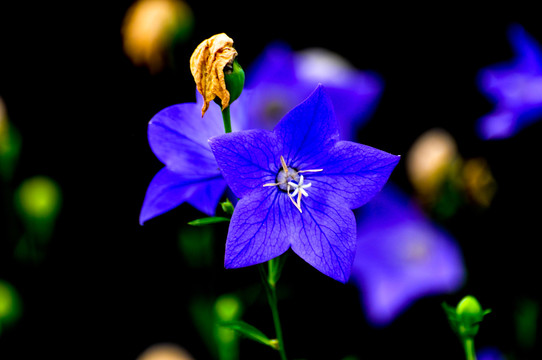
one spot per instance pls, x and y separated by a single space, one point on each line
227 121
271 291
470 353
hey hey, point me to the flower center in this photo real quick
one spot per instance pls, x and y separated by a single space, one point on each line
284 177
289 181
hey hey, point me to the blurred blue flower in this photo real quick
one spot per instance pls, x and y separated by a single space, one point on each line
178 137
302 159
280 79
490 353
401 256
515 87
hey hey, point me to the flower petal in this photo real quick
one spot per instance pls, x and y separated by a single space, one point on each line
401 256
247 159
354 172
325 235
308 130
260 228
178 137
168 190
526 49
274 65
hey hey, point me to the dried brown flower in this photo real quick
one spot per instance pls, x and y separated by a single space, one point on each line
207 65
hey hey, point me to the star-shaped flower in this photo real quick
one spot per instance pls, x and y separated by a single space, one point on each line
303 152
515 87
279 79
178 137
401 256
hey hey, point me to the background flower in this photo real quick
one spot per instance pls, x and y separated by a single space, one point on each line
401 256
280 78
515 87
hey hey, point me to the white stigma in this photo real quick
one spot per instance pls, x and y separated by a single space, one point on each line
300 187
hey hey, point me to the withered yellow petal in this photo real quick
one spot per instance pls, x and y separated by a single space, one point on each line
207 65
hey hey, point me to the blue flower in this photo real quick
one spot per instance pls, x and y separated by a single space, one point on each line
515 87
490 353
178 137
401 256
297 186
280 79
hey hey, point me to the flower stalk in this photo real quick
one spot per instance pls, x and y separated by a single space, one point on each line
227 120
269 280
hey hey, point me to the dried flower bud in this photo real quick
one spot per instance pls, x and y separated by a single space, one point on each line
207 65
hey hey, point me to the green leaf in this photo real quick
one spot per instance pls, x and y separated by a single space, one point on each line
250 332
208 221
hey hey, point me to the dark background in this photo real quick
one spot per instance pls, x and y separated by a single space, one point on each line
109 288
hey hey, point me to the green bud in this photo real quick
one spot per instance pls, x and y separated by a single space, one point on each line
468 306
466 317
227 207
39 197
234 76
10 304
38 200
228 307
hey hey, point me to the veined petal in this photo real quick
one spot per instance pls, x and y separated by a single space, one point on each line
247 159
325 235
178 137
169 189
260 228
308 130
354 172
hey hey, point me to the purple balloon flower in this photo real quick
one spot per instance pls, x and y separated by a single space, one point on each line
401 256
515 87
280 79
297 186
178 137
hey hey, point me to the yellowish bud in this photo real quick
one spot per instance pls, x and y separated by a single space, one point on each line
479 181
207 65
151 27
429 160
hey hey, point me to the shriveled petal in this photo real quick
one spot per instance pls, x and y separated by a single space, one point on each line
260 228
178 137
169 189
207 66
324 235
247 159
308 131
353 172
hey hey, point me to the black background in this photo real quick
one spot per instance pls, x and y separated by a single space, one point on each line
110 288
